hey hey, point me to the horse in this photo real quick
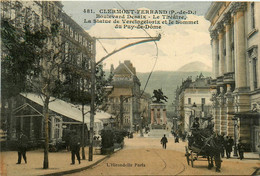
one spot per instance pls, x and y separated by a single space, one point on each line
207 143
213 151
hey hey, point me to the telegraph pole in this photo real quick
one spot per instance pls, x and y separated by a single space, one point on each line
93 80
93 97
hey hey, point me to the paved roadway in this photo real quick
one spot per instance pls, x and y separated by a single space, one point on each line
145 156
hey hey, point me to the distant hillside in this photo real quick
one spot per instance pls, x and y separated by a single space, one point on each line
194 67
166 80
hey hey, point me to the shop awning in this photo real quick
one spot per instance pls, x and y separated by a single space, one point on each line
67 109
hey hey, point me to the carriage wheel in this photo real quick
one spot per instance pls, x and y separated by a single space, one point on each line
191 158
187 155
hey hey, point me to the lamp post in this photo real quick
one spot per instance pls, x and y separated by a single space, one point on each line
235 119
141 126
193 107
174 123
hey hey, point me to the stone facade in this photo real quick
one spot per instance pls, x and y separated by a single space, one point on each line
192 100
127 92
236 74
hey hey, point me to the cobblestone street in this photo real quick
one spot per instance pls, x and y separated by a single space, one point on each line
145 156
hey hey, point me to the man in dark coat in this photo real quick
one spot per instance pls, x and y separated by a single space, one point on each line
195 124
229 146
22 147
223 144
164 141
241 149
74 147
176 139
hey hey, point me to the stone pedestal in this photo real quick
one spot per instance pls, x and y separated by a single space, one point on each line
158 115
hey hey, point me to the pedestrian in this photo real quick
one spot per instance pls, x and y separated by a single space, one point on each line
176 139
164 141
230 143
223 144
74 147
226 144
241 149
22 147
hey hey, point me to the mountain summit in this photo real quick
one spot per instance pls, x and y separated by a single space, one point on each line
195 66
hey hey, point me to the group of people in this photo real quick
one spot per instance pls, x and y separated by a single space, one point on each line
22 146
227 145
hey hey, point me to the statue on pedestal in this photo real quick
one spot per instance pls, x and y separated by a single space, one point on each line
158 95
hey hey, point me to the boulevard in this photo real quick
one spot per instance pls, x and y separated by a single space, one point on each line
145 156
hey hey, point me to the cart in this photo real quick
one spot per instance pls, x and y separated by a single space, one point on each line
193 152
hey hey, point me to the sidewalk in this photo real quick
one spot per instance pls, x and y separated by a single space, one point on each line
59 163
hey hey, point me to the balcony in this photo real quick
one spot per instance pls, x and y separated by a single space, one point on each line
220 80
229 78
213 82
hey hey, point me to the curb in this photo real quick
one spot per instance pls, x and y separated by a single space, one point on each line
257 172
75 170
79 169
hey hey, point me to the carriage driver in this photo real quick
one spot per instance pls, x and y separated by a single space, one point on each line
195 124
195 132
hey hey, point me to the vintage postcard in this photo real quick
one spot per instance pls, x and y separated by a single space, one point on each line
130 88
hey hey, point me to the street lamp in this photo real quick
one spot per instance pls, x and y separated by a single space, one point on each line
193 107
174 123
141 126
235 119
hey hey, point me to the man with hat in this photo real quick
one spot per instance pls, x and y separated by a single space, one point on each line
74 147
22 147
196 124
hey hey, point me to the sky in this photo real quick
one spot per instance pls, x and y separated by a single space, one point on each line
180 44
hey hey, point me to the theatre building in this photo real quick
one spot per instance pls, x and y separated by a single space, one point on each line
235 41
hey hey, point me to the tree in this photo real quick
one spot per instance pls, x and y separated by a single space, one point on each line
20 58
32 62
81 95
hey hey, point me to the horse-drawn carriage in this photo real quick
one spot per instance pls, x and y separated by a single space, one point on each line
204 143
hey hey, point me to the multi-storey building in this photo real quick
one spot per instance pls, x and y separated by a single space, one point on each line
75 48
192 100
235 44
126 92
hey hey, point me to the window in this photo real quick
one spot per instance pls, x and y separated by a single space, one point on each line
253 15
255 72
189 100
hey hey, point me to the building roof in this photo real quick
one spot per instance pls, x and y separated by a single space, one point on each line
67 109
212 10
200 83
125 68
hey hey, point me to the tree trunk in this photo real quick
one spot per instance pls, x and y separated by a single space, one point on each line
121 113
83 133
46 147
